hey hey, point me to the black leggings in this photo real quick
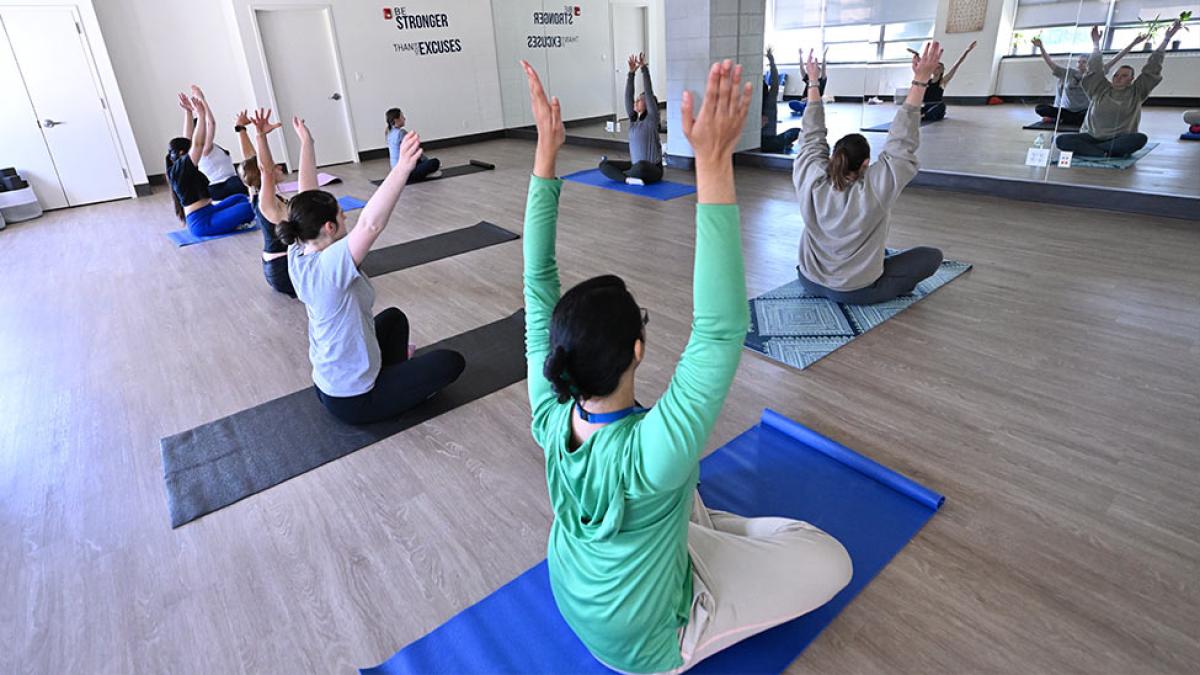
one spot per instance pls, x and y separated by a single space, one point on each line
901 274
424 167
932 112
403 383
1087 145
1068 117
779 142
619 170
226 188
275 271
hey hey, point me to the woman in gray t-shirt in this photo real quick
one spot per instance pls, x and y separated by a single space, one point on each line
362 367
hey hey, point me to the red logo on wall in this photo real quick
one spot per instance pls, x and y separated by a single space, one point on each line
576 10
387 13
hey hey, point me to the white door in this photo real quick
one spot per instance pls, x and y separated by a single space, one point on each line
67 101
629 37
21 142
302 67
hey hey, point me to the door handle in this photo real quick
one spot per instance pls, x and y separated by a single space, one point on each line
50 124
336 97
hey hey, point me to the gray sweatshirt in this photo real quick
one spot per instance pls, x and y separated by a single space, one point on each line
644 143
1071 95
844 231
1117 111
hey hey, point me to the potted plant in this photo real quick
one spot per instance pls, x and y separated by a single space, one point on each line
1033 47
1152 27
1183 17
1016 41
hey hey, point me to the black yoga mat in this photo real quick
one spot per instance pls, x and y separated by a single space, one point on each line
219 463
475 166
1049 126
421 251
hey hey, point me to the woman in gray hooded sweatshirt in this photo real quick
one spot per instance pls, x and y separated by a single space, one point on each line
846 201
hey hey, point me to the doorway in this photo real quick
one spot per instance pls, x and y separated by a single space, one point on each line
306 81
631 35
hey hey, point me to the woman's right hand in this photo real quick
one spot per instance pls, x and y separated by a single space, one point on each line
184 102
262 122
1036 42
198 105
633 63
301 129
715 131
1096 35
924 65
812 68
547 115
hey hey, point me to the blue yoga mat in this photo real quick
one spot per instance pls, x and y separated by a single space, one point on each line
1189 137
887 126
349 203
795 328
777 467
185 237
662 190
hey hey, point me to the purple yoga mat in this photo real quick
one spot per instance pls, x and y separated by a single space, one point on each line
294 186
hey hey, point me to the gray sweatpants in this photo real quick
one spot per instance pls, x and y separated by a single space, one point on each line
751 574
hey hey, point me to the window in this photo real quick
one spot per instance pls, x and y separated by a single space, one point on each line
853 31
1065 25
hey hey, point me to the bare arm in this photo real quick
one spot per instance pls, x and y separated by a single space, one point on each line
210 122
198 134
267 202
189 115
308 156
379 207
1046 57
954 69
243 120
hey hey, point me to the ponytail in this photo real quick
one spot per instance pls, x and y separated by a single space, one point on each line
848 155
392 115
176 150
557 374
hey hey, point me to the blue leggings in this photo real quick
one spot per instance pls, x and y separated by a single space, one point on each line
220 217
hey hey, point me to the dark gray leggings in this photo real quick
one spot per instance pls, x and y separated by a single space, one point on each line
1087 145
618 170
901 274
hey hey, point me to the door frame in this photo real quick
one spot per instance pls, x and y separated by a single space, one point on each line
618 60
326 10
101 72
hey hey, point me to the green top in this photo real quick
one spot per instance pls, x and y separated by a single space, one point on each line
618 554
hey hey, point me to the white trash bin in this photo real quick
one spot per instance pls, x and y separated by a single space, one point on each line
19 205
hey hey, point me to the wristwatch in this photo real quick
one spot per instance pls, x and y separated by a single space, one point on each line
920 84
238 128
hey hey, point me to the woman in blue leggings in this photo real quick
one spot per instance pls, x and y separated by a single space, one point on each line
189 187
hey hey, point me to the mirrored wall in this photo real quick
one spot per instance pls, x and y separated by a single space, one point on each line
1018 94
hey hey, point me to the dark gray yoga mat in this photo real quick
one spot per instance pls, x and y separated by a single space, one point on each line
219 463
451 172
421 251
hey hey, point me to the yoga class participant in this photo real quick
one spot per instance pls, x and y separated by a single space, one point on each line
189 187
426 166
933 107
215 161
797 106
362 369
645 147
771 141
261 174
647 577
846 202
1071 101
1111 126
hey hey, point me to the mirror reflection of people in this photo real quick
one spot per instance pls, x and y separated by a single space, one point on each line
797 106
426 166
933 107
846 201
1110 128
770 140
1070 100
645 147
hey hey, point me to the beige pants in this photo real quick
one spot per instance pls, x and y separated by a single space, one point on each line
751 574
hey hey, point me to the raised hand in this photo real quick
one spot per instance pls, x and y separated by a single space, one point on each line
410 152
184 102
198 105
924 65
633 63
642 59
547 115
1096 35
771 55
262 121
811 67
301 129
1175 26
715 131
242 119
1036 42
197 92
972 45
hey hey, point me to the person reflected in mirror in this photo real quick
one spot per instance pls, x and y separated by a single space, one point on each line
797 106
645 165
846 201
426 167
933 106
1070 100
772 141
1110 128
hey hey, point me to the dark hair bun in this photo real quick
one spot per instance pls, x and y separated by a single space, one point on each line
555 370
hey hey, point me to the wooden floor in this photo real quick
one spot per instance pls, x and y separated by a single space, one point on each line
1052 394
989 141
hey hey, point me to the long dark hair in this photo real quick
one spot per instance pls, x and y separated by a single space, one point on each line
176 150
307 214
848 154
393 114
592 334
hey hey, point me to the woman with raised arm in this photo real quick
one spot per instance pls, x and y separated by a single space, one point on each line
194 205
1111 126
647 577
846 202
933 107
797 105
215 161
361 366
645 147
1071 101
262 175
769 140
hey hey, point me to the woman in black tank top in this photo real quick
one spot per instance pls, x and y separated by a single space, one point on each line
262 175
933 108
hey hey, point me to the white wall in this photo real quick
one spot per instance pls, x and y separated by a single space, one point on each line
155 55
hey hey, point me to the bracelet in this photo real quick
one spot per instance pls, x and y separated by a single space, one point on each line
920 84
813 86
239 128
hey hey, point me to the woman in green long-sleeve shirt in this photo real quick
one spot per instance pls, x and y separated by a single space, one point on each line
647 577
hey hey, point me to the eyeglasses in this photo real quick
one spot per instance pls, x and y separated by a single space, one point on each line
645 316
